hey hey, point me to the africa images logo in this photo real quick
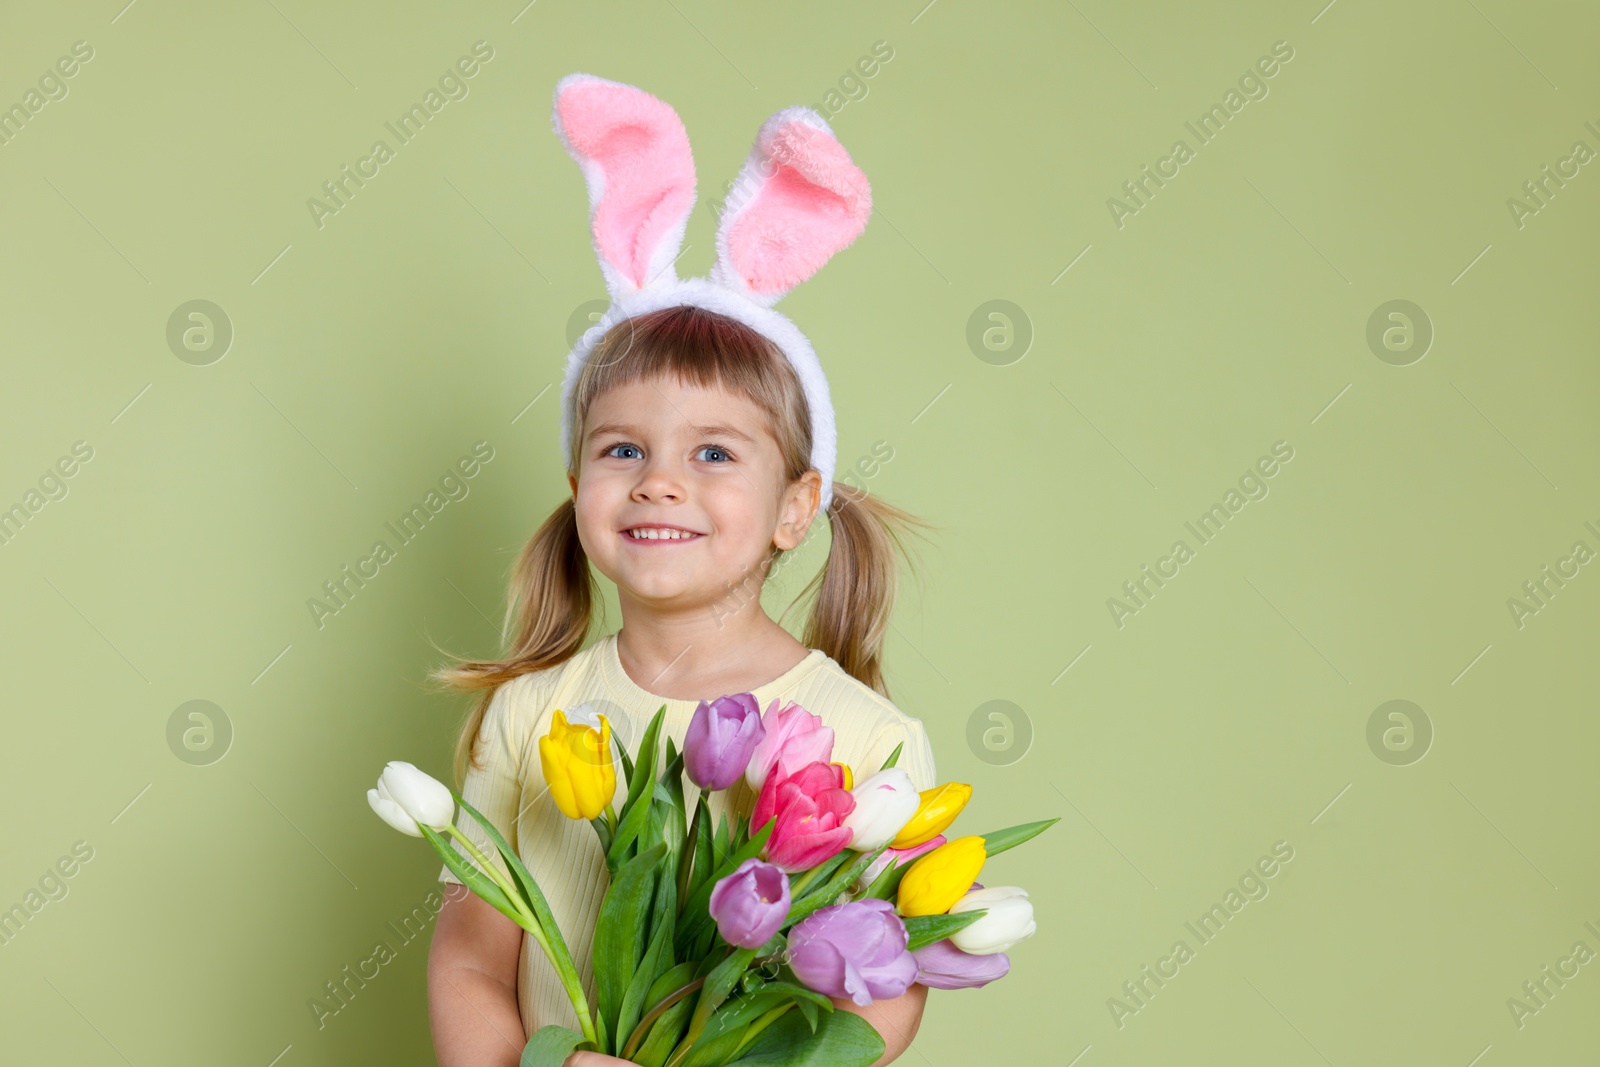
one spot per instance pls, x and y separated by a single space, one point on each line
342 188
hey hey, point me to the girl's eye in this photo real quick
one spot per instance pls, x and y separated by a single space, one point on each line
715 450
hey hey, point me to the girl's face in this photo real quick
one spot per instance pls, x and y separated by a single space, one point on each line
701 461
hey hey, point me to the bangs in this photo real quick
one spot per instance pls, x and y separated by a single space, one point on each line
700 348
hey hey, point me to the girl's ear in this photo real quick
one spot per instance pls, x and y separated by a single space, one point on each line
799 510
634 155
798 200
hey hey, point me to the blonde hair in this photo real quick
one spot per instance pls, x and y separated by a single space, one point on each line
553 590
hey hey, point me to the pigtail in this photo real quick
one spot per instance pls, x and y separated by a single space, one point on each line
551 602
855 589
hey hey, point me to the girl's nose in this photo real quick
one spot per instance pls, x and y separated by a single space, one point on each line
658 483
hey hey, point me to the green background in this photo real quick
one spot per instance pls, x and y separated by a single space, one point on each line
1229 313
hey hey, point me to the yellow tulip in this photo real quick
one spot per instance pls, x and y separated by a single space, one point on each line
578 766
939 808
937 879
849 779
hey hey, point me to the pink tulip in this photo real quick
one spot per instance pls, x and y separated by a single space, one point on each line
817 777
810 807
794 738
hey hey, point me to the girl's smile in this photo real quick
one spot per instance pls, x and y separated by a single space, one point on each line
653 534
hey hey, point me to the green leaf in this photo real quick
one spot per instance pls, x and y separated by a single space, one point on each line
804 996
809 1010
726 1030
721 980
627 769
719 983
523 879
657 957
691 844
677 984
707 939
558 953
666 819
550 1046
472 877
670 980
997 841
665 1034
827 871
738 1012
926 929
704 844
714 1051
894 757
828 893
619 934
670 792
635 814
887 884
842 1039
755 1028
654 831
674 766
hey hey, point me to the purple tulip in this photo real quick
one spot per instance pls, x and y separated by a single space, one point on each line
942 965
720 739
855 950
751 903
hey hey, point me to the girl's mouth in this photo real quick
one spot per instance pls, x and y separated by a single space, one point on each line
652 535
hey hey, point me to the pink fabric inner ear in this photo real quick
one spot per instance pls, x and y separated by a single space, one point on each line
815 203
640 145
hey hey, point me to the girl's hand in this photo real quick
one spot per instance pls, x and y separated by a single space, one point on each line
594 1059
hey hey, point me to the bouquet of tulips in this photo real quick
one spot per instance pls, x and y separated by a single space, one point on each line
727 945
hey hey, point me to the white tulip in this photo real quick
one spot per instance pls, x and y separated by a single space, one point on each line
1008 920
885 802
418 797
391 813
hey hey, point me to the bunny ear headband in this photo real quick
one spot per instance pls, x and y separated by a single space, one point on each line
798 199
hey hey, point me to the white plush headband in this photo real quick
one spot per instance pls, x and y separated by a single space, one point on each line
798 200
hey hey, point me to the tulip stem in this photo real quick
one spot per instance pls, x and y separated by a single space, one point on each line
799 884
569 978
760 1024
496 875
686 861
655 1013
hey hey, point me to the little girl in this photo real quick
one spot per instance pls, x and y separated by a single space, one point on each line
699 443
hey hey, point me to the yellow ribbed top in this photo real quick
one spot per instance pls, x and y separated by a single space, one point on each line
564 855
